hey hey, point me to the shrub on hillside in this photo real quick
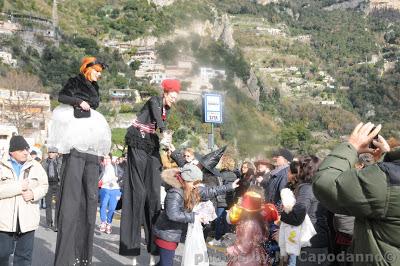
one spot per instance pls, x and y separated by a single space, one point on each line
125 108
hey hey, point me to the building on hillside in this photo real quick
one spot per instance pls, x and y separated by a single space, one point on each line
385 4
6 58
207 73
120 46
264 2
148 67
8 27
28 111
147 59
124 95
198 84
327 102
161 2
176 72
156 77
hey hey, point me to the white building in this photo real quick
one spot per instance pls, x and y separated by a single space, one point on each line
328 102
35 108
148 66
147 59
157 76
207 73
7 59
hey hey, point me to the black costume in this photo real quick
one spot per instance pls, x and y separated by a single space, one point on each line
80 173
53 170
141 197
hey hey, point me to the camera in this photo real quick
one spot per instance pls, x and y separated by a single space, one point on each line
371 145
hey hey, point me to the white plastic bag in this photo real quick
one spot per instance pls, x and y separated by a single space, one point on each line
195 251
293 238
206 210
307 232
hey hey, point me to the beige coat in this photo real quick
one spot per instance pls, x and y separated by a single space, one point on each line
12 205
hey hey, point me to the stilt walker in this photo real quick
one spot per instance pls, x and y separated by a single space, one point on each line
82 135
141 197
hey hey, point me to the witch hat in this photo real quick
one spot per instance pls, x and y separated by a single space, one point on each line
210 160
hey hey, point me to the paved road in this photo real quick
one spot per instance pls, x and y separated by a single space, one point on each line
105 249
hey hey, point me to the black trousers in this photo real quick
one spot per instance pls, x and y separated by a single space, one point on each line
140 201
77 211
54 191
23 248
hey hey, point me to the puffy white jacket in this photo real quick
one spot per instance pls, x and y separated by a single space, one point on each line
12 205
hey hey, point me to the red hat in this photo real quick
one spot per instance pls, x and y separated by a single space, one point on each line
170 85
251 201
270 213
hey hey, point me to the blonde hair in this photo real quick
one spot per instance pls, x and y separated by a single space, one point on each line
190 151
227 163
87 71
191 195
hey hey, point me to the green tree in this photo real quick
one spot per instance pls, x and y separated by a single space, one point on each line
90 45
168 52
135 65
118 138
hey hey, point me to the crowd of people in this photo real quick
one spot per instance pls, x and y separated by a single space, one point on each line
288 209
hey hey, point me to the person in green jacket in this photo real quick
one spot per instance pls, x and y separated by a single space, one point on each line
371 194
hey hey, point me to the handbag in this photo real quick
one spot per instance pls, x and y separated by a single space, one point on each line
80 113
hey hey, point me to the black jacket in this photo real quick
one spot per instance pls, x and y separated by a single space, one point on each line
172 223
277 182
227 178
79 89
306 203
56 178
152 112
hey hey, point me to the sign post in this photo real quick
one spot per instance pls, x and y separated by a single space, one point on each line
212 113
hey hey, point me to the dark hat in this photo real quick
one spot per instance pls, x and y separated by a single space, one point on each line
33 153
210 160
18 143
264 162
285 153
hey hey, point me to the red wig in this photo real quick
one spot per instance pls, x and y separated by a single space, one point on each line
87 71
170 85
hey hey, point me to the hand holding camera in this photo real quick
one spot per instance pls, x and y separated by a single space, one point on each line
365 139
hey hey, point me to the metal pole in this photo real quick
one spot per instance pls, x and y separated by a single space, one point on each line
212 136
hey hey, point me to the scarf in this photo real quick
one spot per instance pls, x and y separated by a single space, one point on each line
52 171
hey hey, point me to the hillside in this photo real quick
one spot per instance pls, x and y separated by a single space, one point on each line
299 73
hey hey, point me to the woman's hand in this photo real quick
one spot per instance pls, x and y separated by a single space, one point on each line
236 183
85 106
